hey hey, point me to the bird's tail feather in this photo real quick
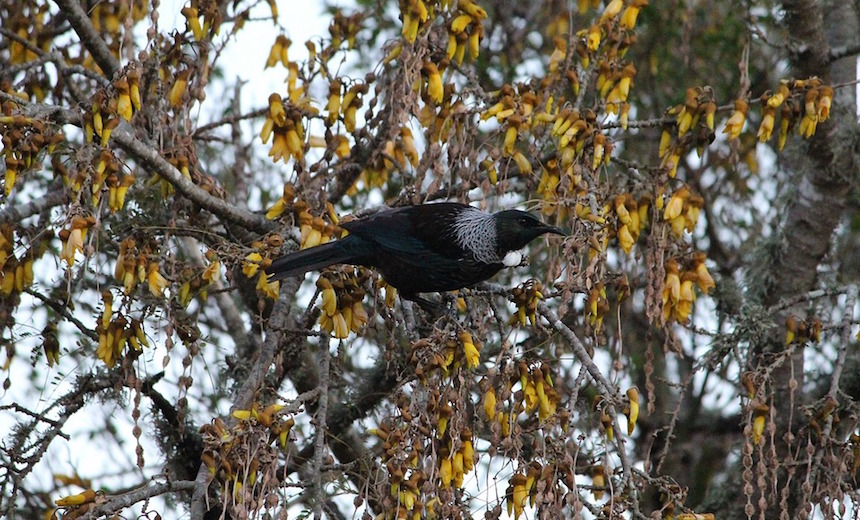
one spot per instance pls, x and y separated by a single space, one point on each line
311 259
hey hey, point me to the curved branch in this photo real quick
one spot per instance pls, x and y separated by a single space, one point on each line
152 160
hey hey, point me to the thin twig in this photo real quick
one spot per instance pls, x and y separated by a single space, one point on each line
229 120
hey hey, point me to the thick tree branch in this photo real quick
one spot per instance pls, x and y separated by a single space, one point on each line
17 213
89 37
829 168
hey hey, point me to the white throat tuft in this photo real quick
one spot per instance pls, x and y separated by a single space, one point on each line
513 258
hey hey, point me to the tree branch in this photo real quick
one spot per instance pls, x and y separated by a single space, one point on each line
321 425
17 213
152 160
117 503
89 37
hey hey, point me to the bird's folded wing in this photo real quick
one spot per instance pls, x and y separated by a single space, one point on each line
409 231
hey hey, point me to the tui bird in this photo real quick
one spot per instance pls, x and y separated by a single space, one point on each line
425 248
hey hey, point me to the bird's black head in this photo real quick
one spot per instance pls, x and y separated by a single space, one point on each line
515 229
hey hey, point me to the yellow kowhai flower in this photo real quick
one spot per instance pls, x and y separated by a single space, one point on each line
279 52
107 313
192 19
665 141
489 404
76 500
460 23
123 102
212 271
765 129
672 284
477 12
277 209
117 193
593 38
825 100
267 288
334 100
611 10
134 88
73 239
703 277
760 414
177 90
598 480
251 264
684 306
446 472
473 356
599 148
676 204
735 124
514 123
474 43
276 111
625 239
329 296
558 54
342 150
633 409
777 99
157 283
624 116
359 317
73 243
435 87
629 16
518 495
407 145
523 163
624 215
